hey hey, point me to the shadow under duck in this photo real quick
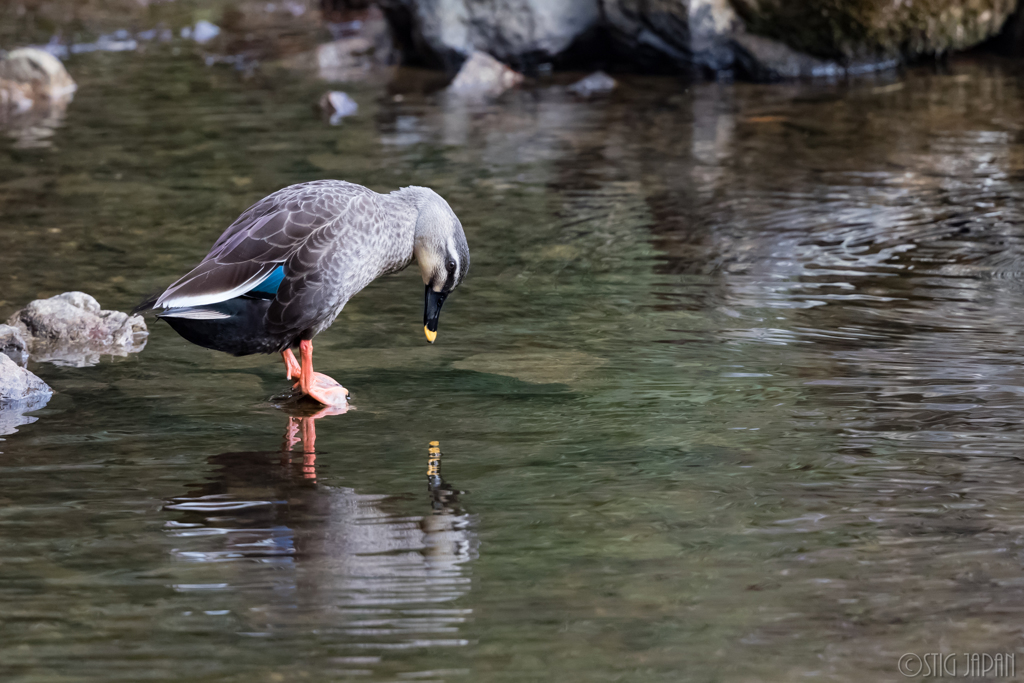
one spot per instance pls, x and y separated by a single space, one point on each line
282 272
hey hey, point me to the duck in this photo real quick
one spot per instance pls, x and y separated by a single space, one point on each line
284 270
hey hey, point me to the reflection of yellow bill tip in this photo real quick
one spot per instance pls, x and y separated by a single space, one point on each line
431 336
435 443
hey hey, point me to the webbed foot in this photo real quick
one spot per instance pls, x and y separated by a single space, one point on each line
324 389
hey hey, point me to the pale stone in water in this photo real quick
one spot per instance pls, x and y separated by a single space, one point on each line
40 70
72 329
338 105
18 386
596 83
205 31
483 75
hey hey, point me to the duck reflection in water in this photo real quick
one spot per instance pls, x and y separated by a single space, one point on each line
302 430
287 553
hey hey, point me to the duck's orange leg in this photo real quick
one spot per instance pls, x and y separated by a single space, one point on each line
317 385
291 366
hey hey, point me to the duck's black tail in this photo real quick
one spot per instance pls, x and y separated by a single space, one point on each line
236 326
147 304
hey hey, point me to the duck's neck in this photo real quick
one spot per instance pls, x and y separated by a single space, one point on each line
406 206
402 210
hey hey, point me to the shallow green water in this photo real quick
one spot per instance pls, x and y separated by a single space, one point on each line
733 390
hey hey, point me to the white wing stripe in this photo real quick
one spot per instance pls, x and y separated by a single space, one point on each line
194 314
172 301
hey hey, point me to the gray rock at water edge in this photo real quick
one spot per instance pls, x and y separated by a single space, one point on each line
483 76
39 70
19 386
764 59
12 344
71 328
597 83
515 31
338 105
20 392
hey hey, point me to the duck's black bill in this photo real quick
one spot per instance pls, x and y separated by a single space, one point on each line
431 312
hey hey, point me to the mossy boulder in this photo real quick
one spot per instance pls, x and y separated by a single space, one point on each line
850 30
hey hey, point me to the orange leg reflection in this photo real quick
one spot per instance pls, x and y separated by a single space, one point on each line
303 430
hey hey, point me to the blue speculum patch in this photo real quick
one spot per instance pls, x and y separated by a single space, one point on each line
271 283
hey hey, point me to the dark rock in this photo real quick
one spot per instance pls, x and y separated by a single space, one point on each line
876 30
521 32
12 344
679 34
597 83
1010 41
710 37
764 59
483 76
71 329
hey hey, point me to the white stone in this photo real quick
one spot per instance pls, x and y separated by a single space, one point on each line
596 83
483 75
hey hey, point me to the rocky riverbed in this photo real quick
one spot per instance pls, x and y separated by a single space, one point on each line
761 40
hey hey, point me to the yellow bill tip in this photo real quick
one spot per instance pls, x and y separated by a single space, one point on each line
431 336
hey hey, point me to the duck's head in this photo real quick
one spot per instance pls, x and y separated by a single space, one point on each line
442 254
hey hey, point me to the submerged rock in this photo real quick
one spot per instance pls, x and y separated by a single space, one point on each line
40 71
338 105
596 83
71 329
483 76
35 90
15 97
12 344
515 31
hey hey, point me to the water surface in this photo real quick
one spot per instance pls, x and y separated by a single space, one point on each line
733 390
